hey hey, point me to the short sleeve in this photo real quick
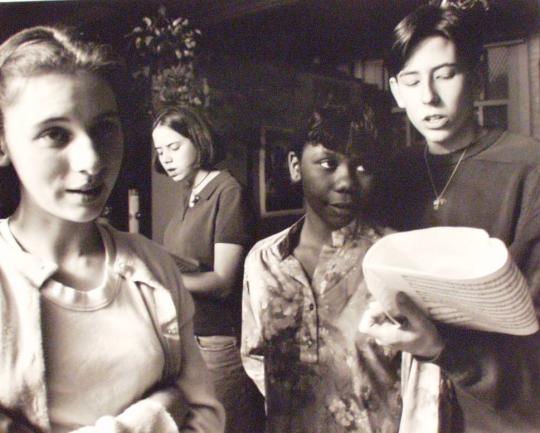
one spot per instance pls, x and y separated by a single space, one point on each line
233 220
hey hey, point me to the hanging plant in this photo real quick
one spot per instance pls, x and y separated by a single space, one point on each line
464 5
163 51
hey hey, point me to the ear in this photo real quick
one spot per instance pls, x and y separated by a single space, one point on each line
4 157
396 91
294 167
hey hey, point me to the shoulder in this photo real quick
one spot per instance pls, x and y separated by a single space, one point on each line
226 181
145 254
226 188
512 148
264 246
136 243
148 262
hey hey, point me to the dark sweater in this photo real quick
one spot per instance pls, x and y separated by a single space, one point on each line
497 188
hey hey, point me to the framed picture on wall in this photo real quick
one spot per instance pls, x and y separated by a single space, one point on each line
277 195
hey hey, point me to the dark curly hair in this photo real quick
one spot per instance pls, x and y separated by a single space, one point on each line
345 129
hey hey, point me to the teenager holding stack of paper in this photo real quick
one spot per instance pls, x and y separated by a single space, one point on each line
465 175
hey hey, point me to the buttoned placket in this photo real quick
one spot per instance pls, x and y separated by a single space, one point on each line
308 336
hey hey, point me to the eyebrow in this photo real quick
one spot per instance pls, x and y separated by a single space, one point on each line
168 144
102 116
442 65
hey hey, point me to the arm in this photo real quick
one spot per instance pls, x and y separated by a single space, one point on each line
494 375
220 282
190 397
206 414
251 338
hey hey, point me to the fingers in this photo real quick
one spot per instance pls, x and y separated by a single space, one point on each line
373 315
109 424
415 316
415 333
378 324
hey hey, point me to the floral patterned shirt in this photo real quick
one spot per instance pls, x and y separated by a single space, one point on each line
300 341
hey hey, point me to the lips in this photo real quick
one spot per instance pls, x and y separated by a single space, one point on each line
435 121
343 204
343 207
88 193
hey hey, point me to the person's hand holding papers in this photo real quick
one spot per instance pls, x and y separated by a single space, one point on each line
409 329
455 275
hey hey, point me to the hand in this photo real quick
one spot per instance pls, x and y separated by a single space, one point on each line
414 332
105 424
174 402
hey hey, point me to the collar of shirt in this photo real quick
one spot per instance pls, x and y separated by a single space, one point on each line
286 245
211 186
38 270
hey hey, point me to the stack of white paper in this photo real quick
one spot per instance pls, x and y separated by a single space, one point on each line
457 275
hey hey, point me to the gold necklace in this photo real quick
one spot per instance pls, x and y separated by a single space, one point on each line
194 197
439 197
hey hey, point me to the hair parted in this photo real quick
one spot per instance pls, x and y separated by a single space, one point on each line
44 49
192 123
461 25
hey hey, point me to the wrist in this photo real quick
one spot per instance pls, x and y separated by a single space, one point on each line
433 352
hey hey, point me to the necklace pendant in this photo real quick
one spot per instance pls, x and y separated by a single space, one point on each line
438 202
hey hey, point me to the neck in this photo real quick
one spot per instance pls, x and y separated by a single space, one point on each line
54 240
315 232
199 177
463 139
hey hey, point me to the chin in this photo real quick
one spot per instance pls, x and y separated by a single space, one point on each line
437 137
179 177
338 223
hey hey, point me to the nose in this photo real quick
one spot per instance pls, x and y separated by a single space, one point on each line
345 178
165 156
429 91
86 155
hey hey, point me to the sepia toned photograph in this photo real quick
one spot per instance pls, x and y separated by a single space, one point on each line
269 216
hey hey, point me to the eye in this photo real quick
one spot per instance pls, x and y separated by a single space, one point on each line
445 73
409 80
174 146
54 136
328 164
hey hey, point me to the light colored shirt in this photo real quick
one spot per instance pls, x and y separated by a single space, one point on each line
78 328
141 263
300 341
